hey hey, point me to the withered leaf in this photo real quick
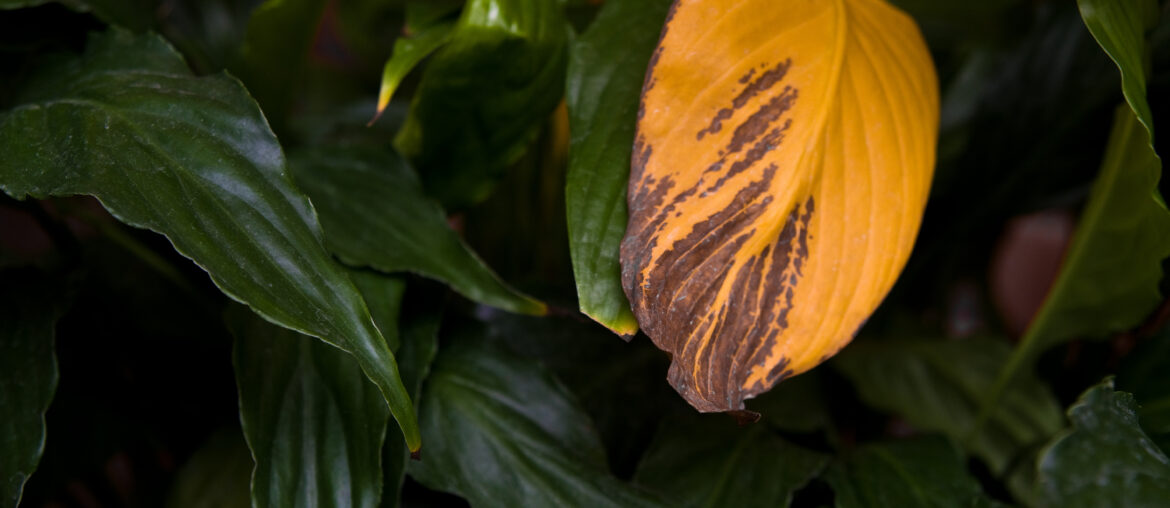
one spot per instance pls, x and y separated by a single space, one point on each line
783 158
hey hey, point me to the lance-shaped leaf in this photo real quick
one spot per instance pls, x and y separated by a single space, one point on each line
192 158
782 160
606 65
28 377
484 96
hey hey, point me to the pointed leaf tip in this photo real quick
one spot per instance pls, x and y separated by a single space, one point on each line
779 175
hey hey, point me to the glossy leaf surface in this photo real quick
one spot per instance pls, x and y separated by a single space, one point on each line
193 159
1104 459
506 433
606 67
920 473
314 423
376 215
409 50
487 92
922 382
713 462
28 378
783 158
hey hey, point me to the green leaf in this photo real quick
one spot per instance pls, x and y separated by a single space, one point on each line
314 423
1104 459
216 476
484 96
938 385
272 58
1120 28
796 405
383 295
503 432
923 472
707 460
1144 375
409 50
420 344
375 214
606 69
1110 276
1109 279
193 159
28 377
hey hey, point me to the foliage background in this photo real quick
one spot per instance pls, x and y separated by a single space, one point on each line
157 389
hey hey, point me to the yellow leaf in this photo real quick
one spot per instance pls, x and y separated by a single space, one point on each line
782 162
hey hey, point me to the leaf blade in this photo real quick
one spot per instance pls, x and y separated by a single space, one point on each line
28 379
487 91
193 159
314 423
515 436
375 214
605 77
772 207
1104 458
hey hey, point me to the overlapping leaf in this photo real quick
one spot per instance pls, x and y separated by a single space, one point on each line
375 214
711 462
606 67
484 96
508 434
938 385
28 378
924 472
1109 278
193 159
1104 459
783 158
276 44
314 423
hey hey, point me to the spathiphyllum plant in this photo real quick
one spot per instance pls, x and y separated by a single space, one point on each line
378 253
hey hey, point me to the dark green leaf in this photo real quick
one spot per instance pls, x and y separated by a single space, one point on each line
272 58
193 159
924 472
710 461
1109 279
1104 459
503 432
796 405
28 378
420 344
216 476
1111 271
375 214
1120 28
313 421
619 384
484 96
136 15
383 295
409 50
938 385
1144 375
606 69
